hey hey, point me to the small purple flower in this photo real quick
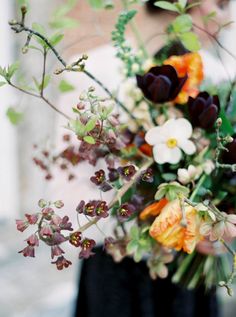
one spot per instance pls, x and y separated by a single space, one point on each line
147 176
75 239
80 207
61 263
99 177
86 248
57 238
127 172
161 83
56 220
204 110
28 251
56 251
101 209
125 211
21 225
33 240
65 224
113 174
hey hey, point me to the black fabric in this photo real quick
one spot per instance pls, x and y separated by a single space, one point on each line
109 289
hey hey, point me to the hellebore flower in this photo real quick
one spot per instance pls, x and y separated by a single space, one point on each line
189 64
168 231
86 248
186 176
204 110
161 83
169 139
229 157
125 211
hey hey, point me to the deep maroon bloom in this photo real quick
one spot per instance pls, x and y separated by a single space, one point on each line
204 110
62 263
101 209
46 230
127 172
21 225
99 177
125 211
33 240
28 251
86 248
161 83
147 176
47 212
80 207
56 251
75 239
32 219
229 157
93 208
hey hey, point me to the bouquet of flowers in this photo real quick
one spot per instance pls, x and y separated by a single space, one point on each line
170 156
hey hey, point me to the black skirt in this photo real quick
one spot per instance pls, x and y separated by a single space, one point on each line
109 289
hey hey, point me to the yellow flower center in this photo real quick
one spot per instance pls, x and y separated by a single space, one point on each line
171 143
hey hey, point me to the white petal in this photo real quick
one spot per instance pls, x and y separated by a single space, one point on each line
183 176
192 170
230 230
187 146
175 155
155 135
161 153
183 129
231 218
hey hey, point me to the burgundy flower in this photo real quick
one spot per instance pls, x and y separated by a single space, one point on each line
57 238
47 212
65 224
127 172
125 211
21 225
56 251
99 177
62 263
75 239
56 220
229 157
28 251
204 110
33 240
101 209
113 174
86 248
32 219
93 208
161 83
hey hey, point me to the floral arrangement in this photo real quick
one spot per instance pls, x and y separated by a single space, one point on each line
171 163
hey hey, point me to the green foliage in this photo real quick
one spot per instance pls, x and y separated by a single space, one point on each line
89 139
101 4
8 72
60 20
167 6
82 130
38 84
183 23
124 51
14 116
190 41
65 86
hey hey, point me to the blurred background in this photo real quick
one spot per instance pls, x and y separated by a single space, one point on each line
33 287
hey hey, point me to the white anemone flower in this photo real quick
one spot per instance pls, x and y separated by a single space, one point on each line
190 174
169 139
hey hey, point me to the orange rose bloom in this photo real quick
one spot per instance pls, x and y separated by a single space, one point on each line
153 209
190 64
167 229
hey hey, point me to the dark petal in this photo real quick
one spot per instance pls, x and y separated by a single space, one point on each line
203 95
148 79
166 70
208 117
175 89
195 109
139 81
230 156
159 90
209 101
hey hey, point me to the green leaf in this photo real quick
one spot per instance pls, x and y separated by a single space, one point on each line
39 28
132 246
183 3
59 19
166 6
182 23
65 86
78 127
64 23
56 38
190 41
90 125
2 83
12 69
14 116
168 176
134 233
89 139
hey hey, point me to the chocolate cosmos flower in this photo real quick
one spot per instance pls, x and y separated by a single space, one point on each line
161 83
203 110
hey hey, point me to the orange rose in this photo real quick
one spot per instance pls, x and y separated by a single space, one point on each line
153 209
168 231
188 64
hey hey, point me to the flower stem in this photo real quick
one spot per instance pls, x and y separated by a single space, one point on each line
199 184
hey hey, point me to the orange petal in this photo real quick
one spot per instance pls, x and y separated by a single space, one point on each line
153 209
146 149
